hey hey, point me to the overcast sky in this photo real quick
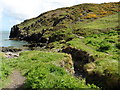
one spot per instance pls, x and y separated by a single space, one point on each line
15 11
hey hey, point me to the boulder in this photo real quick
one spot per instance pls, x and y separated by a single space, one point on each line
11 55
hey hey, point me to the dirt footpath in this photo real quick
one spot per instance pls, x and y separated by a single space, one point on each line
17 81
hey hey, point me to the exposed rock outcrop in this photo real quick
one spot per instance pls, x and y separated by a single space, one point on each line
15 32
10 49
11 55
80 58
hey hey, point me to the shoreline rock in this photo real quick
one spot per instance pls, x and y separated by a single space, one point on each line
11 55
10 49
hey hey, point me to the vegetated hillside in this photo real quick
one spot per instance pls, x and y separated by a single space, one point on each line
88 32
61 24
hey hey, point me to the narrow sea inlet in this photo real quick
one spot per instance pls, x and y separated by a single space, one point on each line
5 42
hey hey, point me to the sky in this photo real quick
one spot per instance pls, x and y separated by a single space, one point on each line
15 11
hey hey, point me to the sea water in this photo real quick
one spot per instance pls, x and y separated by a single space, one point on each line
5 42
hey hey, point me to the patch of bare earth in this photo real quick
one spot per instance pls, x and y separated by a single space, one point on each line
17 81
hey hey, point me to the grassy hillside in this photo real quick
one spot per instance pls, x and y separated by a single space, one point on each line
103 46
45 70
80 41
58 24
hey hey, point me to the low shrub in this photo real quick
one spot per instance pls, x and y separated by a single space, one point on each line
51 76
118 45
104 46
5 70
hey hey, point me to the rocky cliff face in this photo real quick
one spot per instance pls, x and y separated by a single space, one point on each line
15 32
58 24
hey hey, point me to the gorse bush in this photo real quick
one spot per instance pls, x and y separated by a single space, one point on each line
104 46
104 41
91 15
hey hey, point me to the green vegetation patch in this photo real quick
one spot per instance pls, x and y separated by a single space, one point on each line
104 47
109 22
66 27
97 26
51 76
42 70
5 70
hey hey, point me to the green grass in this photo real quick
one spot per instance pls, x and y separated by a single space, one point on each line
5 70
103 23
108 65
35 58
97 26
2 55
78 43
103 47
51 76
42 70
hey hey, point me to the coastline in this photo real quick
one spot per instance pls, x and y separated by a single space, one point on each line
5 41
